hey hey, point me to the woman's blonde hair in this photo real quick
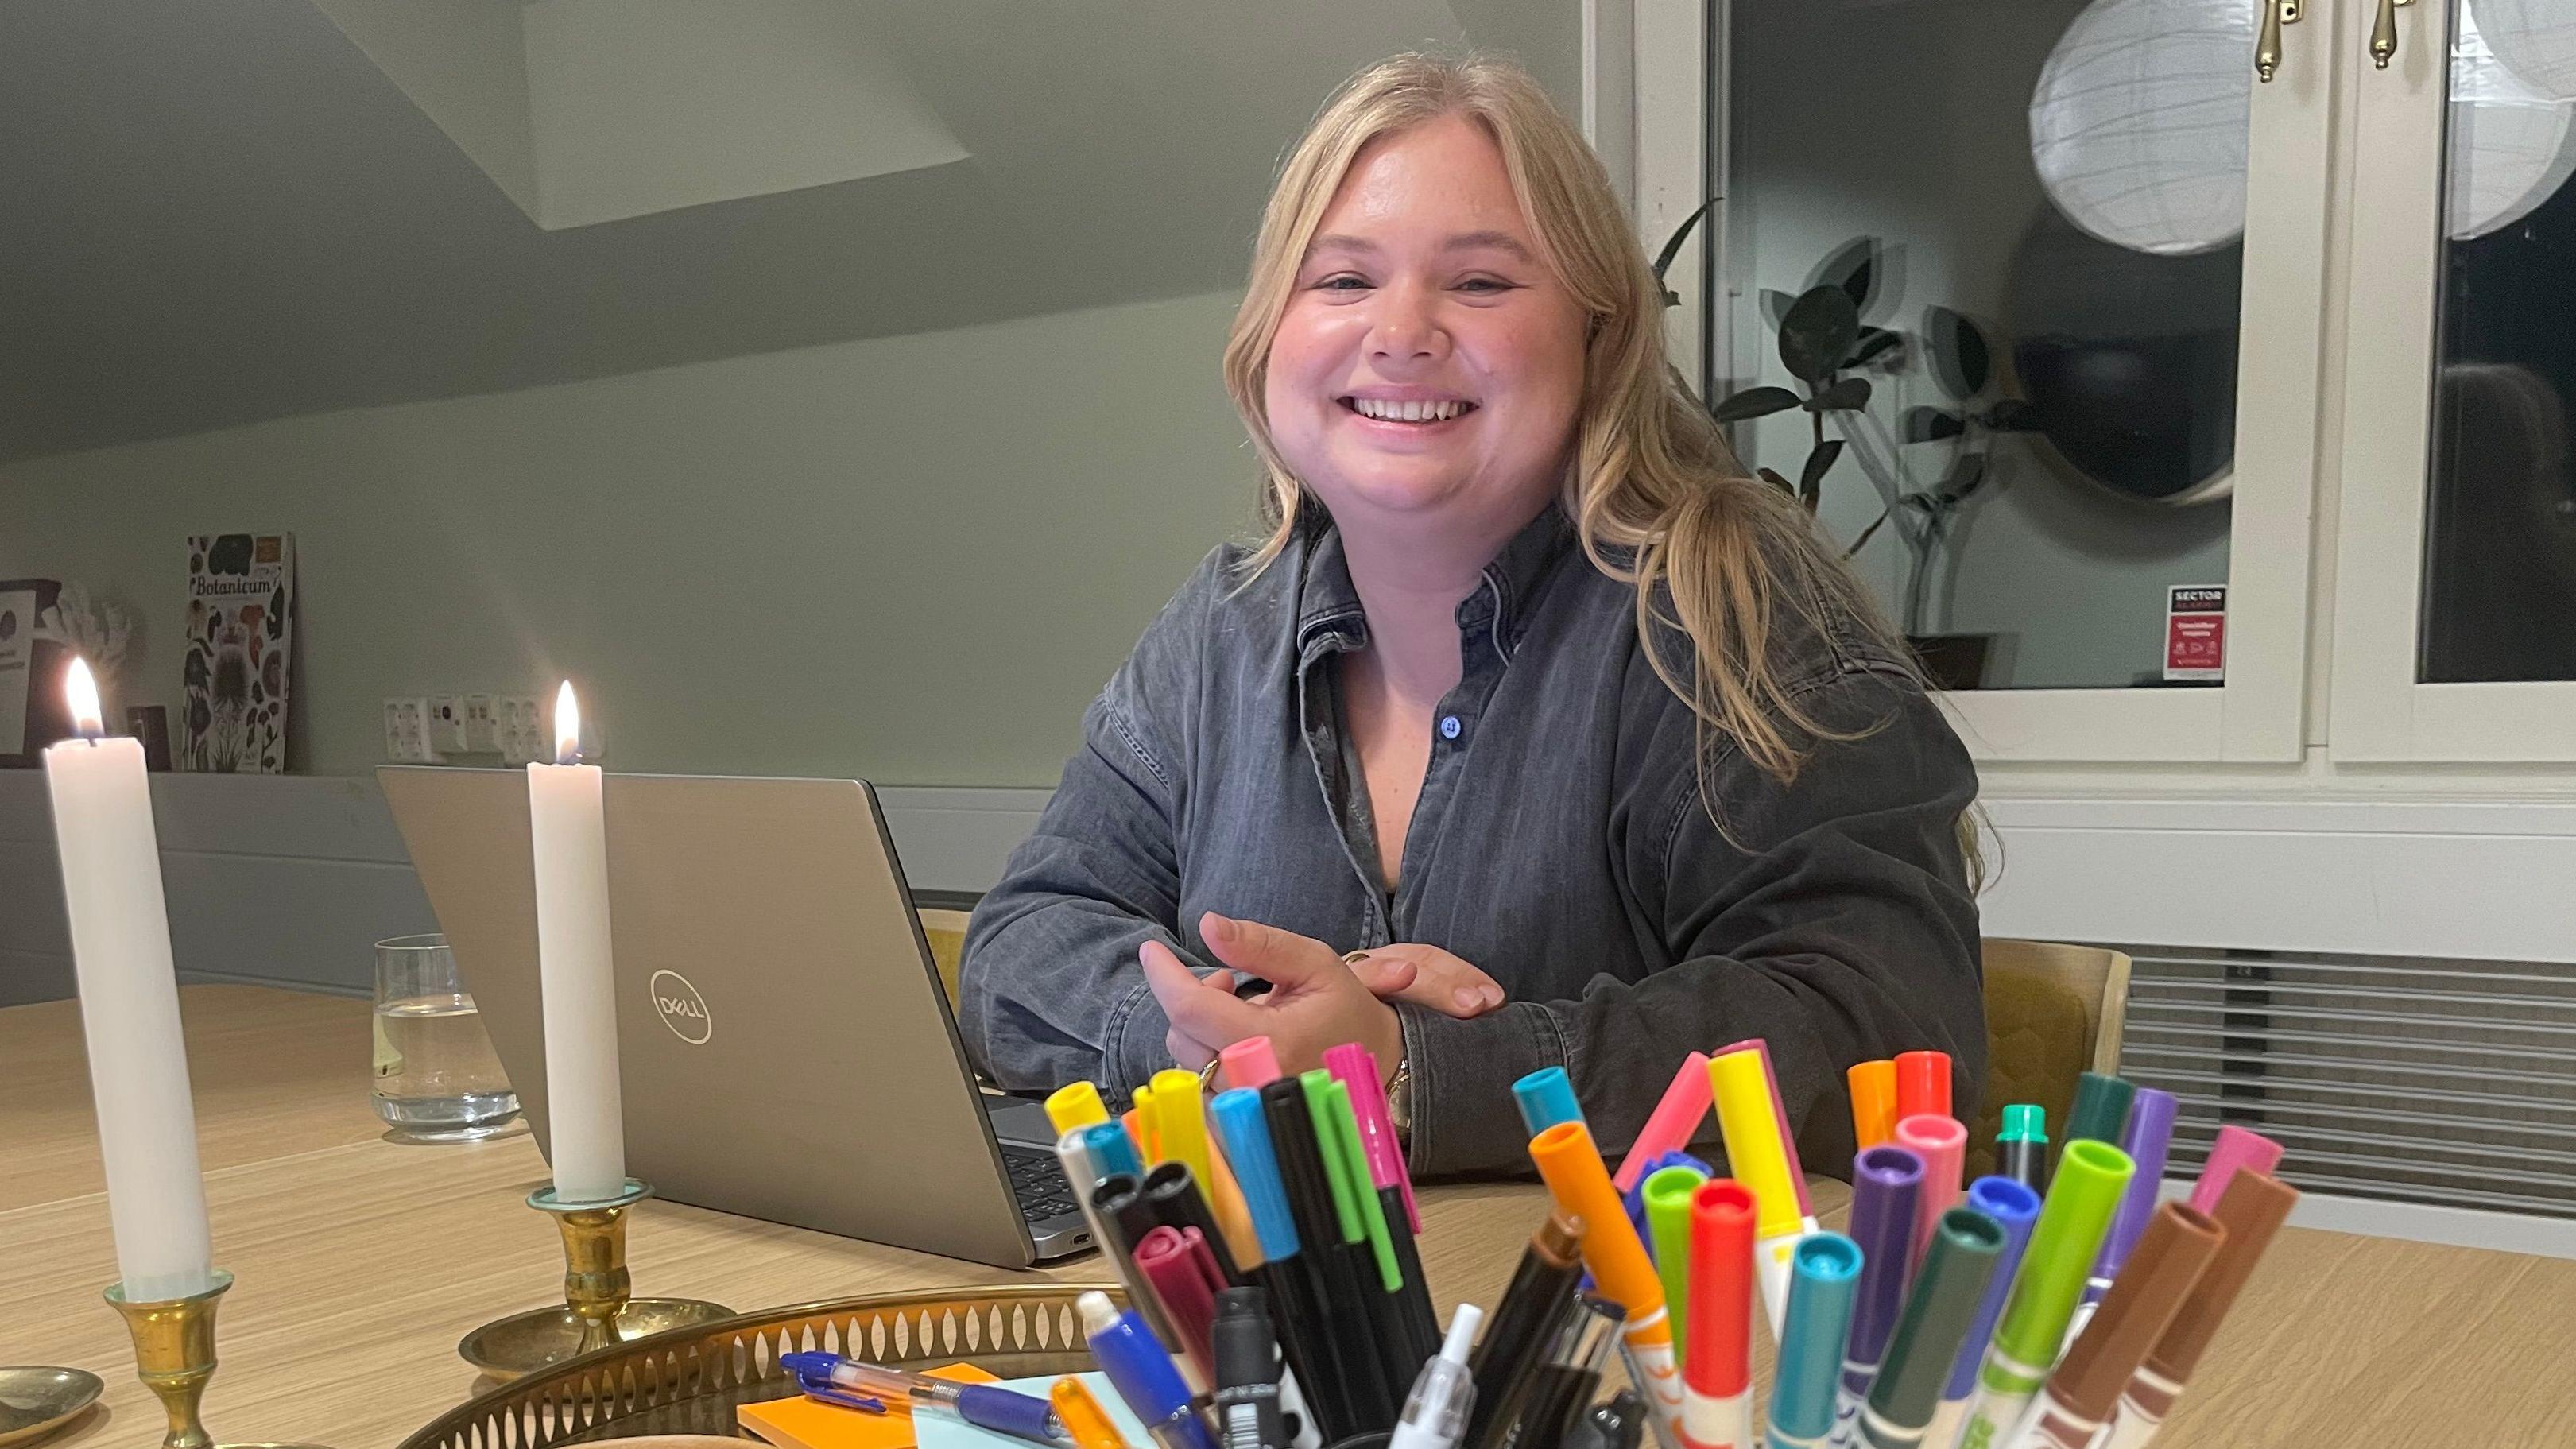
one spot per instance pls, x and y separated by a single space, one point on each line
1657 497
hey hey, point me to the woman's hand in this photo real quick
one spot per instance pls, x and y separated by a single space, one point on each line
1315 1000
1428 977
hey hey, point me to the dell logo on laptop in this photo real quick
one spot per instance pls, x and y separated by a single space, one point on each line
681 1008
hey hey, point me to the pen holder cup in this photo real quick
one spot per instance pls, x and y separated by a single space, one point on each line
690 1380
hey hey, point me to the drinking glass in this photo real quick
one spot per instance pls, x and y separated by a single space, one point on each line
436 1079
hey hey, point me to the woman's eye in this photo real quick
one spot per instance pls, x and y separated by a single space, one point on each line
1343 282
1484 286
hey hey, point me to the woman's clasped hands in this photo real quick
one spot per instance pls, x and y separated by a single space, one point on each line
1318 998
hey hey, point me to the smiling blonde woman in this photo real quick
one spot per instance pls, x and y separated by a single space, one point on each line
1534 733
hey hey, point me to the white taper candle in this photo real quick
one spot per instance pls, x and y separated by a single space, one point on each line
568 834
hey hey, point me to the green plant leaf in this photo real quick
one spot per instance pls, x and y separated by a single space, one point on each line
1931 425
1673 244
1818 333
1775 480
1811 479
1845 395
1962 363
1754 402
1873 341
1775 306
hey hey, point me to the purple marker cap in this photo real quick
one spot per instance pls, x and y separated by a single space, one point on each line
2011 1203
2150 1131
2234 1148
1887 1185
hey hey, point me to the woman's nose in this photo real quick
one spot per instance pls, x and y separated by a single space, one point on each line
1405 327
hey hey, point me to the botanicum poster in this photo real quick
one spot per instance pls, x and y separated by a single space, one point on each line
241 645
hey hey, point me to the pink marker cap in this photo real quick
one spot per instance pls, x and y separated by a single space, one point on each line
1355 1067
1942 1144
2235 1148
1250 1063
1683 1111
1780 1113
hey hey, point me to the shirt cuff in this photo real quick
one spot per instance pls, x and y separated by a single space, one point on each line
1132 1049
1464 1116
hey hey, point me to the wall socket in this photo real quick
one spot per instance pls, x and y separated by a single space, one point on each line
518 729
447 724
407 731
481 721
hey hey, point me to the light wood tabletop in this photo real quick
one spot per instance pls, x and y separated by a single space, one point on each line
361 1262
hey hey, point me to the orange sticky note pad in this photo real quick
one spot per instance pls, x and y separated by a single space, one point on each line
797 1422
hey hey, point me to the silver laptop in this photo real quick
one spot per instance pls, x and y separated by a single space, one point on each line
785 1046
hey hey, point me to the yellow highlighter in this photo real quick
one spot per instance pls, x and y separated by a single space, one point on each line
1180 1126
1761 1155
1076 1106
1083 1418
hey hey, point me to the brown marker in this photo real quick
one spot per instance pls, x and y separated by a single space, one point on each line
2251 1209
2160 1274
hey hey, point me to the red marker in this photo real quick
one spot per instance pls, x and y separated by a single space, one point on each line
1942 1144
1717 1379
1922 1085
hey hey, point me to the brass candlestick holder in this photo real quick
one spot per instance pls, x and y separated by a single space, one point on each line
174 1354
598 1309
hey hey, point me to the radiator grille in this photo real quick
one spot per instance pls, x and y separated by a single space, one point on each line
2414 1079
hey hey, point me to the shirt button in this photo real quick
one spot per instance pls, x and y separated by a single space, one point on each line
1450 729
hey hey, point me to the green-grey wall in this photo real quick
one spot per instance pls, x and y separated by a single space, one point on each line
914 558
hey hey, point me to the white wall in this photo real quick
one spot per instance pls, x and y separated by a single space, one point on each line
1908 123
913 558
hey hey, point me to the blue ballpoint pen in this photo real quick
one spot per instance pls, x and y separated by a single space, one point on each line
856 1385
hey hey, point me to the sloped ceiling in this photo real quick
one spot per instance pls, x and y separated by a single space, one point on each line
214 212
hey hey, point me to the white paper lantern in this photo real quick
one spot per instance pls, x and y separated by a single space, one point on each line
2510 144
2137 124
2535 38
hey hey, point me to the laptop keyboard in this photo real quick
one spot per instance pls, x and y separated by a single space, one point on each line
1038 1181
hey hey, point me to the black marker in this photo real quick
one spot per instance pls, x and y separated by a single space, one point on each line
1247 1372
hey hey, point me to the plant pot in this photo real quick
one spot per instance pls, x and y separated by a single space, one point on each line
1952 661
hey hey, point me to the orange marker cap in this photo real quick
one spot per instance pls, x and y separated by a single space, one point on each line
1873 1099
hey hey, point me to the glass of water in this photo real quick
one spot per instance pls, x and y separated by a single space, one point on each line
436 1079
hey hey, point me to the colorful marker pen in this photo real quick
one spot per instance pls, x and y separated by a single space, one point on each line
2077 1212
2149 1133
2014 1208
1004 1411
1546 1097
1142 1373
1667 1193
1075 1105
2101 1109
1083 1418
1873 1099
1760 1155
1887 1183
1249 1063
1247 1371
1572 1168
2236 1150
2252 1210
1922 1084
1717 1274
1824 1278
2021 1148
1958 1265
2081 1395
1943 1145
1670 1127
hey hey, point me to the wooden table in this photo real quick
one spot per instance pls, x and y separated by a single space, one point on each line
361 1262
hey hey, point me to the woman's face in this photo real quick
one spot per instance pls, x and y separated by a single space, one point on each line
1428 362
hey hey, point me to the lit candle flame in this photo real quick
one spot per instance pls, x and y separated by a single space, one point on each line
567 727
87 718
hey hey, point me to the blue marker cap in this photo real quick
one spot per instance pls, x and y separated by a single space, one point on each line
2011 1203
1112 1151
1824 1281
1246 1134
1547 1098
1635 1198
1142 1372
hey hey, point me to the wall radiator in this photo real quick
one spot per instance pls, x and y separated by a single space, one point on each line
2406 1078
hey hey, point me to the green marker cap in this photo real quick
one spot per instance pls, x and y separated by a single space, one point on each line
1667 1195
2101 1107
2063 1244
1938 1311
1318 1086
1346 1137
2024 1122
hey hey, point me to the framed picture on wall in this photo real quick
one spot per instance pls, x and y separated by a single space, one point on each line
239 662
33 711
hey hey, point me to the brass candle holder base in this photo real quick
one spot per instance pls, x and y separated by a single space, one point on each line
598 1309
174 1354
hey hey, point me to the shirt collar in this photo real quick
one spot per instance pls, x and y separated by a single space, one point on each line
1331 608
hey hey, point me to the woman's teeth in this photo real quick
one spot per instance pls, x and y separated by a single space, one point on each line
1390 411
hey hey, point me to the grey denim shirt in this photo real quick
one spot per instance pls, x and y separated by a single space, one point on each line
1562 843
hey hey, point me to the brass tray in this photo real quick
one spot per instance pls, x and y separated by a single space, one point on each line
690 1380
